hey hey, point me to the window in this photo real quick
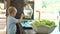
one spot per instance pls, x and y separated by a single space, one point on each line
2 16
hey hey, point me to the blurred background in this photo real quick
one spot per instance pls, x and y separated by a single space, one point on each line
2 17
37 9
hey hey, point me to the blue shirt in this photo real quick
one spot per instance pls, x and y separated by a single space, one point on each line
11 25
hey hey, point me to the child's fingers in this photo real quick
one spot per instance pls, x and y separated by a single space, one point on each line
22 15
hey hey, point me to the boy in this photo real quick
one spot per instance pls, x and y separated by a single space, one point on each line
11 21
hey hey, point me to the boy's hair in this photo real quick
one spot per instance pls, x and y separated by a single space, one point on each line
11 10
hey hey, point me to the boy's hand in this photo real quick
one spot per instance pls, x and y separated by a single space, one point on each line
22 15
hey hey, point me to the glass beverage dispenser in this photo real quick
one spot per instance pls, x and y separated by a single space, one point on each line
28 11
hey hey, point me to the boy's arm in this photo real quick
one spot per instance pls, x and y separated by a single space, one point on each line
21 19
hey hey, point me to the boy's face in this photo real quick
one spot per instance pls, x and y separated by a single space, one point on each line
14 12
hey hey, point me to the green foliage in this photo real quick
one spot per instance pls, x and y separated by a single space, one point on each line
44 22
36 23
